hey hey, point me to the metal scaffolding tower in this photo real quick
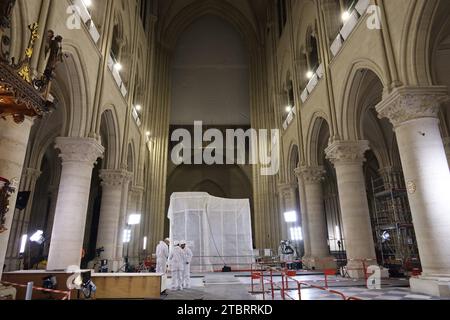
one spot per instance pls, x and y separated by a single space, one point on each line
392 223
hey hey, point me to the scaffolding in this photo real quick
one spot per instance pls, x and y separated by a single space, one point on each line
393 226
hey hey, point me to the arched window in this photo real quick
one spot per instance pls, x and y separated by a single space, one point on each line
312 51
116 42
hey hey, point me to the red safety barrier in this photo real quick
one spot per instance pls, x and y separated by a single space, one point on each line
327 273
65 293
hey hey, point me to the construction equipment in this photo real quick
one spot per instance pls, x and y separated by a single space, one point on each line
392 225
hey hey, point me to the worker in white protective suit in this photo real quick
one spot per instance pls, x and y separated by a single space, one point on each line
187 264
176 263
162 254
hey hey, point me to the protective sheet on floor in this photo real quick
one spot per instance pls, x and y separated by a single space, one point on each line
218 231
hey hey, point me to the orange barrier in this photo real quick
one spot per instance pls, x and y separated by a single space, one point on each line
286 276
65 293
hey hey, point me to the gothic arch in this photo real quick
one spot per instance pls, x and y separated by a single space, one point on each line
110 136
73 81
419 39
293 162
315 144
209 184
350 117
194 11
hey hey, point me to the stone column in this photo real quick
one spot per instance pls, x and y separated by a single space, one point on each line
114 183
137 234
78 158
414 113
287 203
304 214
348 158
13 147
320 257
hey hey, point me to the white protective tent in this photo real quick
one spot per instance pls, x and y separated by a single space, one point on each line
218 231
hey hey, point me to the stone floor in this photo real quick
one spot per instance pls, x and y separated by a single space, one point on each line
234 286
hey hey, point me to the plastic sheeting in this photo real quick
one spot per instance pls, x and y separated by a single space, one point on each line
218 231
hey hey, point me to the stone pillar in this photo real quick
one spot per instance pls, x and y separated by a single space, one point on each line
414 113
78 158
320 257
304 214
137 193
348 158
287 199
114 184
13 147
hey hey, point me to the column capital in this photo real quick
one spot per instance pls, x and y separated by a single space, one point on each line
86 150
115 178
312 175
347 151
409 103
285 189
137 189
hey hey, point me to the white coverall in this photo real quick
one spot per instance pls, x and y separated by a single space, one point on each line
187 267
162 254
176 262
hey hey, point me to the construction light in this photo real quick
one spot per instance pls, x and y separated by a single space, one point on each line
37 237
145 243
134 219
23 243
127 236
345 16
288 109
296 234
87 3
118 66
309 74
138 107
290 217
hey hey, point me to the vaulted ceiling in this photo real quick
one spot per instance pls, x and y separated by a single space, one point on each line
254 11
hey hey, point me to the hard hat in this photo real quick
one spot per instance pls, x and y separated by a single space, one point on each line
167 239
176 243
183 242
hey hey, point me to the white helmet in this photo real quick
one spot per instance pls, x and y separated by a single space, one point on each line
183 242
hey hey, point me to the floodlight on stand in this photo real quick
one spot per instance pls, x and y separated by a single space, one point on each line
296 234
23 243
37 237
144 247
290 217
134 219
127 236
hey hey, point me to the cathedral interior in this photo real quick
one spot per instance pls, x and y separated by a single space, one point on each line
321 126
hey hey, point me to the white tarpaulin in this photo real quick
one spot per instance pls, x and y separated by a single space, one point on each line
218 231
